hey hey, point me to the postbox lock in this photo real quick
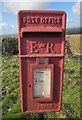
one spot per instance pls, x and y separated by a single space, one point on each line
29 85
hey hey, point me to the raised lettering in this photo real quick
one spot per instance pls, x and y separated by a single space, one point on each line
34 47
50 48
34 21
28 20
60 21
38 47
51 20
47 20
42 20
24 20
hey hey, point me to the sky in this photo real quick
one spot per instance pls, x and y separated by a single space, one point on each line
9 9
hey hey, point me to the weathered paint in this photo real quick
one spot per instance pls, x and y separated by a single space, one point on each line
41 34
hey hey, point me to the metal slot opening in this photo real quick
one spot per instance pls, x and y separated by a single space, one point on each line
40 34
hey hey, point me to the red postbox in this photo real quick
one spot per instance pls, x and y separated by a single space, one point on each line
41 38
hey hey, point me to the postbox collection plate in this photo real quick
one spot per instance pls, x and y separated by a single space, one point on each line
41 39
41 82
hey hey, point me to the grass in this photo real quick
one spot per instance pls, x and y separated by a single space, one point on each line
11 93
75 42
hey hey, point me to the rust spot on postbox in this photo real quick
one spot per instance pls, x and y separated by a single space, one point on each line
41 38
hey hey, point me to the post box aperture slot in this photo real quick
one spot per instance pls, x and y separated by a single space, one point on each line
42 83
40 34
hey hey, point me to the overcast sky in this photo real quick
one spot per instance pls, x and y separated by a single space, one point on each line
9 9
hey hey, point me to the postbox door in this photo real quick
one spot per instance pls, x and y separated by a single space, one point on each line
52 46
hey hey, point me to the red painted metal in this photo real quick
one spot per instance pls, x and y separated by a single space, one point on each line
41 34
